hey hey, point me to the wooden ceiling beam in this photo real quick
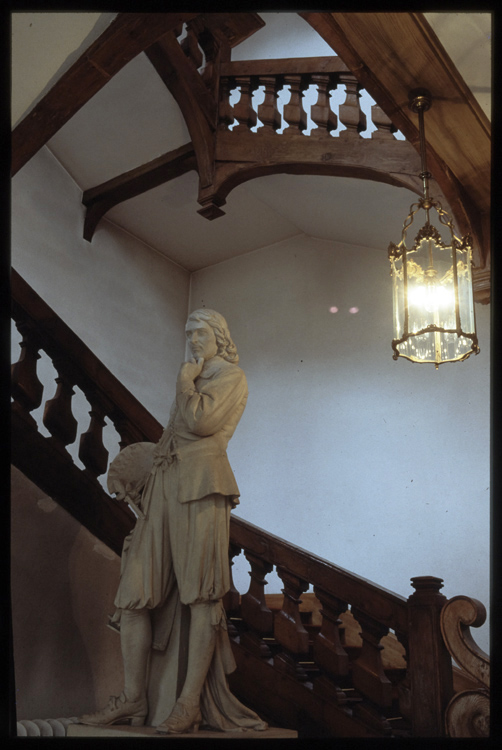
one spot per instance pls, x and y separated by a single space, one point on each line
196 102
102 198
127 36
232 28
394 53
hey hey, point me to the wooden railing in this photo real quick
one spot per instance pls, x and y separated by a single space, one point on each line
54 471
326 74
303 676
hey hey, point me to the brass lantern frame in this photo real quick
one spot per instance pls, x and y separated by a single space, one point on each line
420 101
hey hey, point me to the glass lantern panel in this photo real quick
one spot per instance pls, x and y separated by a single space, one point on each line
431 297
398 297
465 295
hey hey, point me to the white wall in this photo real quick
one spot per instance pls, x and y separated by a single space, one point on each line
63 583
381 467
125 301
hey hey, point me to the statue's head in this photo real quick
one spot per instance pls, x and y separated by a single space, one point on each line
226 347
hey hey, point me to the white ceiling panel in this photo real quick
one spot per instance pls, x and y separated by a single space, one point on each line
358 212
130 121
167 219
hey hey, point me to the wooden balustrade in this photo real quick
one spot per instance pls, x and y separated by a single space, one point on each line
375 609
326 75
76 366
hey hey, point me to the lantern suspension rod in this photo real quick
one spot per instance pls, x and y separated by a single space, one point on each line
420 102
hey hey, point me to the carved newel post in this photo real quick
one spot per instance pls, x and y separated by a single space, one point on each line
429 662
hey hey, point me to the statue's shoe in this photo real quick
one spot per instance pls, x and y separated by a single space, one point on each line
183 719
118 711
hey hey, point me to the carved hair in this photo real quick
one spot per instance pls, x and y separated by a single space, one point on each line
226 347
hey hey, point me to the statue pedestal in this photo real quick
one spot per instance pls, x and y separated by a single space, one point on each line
83 730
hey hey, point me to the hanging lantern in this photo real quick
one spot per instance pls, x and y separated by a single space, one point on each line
434 318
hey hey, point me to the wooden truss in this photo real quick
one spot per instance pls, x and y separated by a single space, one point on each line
388 54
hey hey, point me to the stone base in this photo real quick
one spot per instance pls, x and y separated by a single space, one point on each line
84 730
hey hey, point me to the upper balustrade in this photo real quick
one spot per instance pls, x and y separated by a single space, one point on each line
316 96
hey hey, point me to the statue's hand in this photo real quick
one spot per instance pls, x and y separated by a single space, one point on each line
190 370
117 488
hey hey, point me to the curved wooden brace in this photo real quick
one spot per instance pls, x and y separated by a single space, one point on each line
193 97
100 199
230 178
457 615
252 155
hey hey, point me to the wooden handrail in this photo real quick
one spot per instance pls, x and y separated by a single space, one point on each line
363 594
286 66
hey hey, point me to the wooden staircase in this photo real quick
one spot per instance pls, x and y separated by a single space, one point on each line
346 659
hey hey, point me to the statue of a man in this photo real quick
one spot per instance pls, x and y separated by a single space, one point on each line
177 554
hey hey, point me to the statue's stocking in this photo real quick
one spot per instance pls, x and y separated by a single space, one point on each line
135 643
201 645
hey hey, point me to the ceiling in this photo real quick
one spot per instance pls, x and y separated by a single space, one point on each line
134 119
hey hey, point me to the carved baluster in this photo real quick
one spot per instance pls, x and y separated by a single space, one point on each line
226 111
350 112
211 49
288 626
267 111
125 429
404 686
294 114
26 388
429 662
232 598
328 650
255 613
384 125
92 452
368 674
321 112
243 109
190 46
58 417
254 609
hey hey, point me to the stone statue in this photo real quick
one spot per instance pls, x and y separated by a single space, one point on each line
175 566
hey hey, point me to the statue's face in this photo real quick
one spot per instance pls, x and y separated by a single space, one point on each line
201 339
